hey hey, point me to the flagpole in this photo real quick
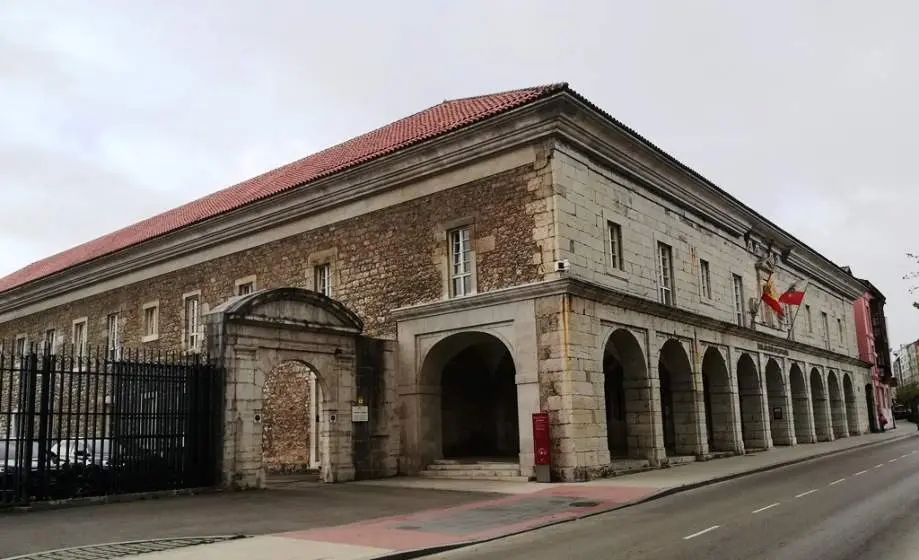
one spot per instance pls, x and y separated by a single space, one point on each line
791 328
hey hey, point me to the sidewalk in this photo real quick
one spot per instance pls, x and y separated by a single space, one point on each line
525 506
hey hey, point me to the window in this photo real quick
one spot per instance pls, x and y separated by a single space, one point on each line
615 244
739 309
21 346
768 315
810 319
113 337
50 340
460 263
705 279
245 286
826 327
665 273
192 322
79 337
842 337
323 279
151 321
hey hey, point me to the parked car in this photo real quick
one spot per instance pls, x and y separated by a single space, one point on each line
901 412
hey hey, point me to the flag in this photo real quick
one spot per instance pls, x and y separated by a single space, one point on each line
792 295
769 298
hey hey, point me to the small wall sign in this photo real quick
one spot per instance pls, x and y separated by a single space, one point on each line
360 413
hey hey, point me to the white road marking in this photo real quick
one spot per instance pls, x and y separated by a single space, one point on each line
913 452
835 482
702 532
765 508
892 461
879 465
802 494
860 473
904 456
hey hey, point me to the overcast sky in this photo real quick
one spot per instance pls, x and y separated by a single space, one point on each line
114 110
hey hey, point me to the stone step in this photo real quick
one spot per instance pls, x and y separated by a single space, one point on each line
450 466
473 474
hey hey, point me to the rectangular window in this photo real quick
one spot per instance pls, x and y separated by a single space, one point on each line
615 244
79 337
810 319
826 327
665 273
192 323
842 338
460 263
323 279
244 289
113 337
21 346
151 321
50 340
705 279
739 298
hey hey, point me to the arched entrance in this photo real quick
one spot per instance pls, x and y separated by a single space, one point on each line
851 404
837 407
780 421
477 400
720 411
750 393
800 402
289 434
820 407
678 406
629 429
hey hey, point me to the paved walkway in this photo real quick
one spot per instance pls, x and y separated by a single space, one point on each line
525 506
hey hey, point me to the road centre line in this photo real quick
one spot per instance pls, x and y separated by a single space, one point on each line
702 532
860 473
904 456
802 494
765 508
892 461
879 465
835 482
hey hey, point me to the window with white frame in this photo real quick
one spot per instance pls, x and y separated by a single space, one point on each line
50 340
740 311
614 232
322 279
245 289
21 346
192 327
79 337
665 273
705 279
151 321
460 262
113 336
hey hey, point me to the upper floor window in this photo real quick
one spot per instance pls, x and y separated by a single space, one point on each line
323 279
79 337
826 327
614 231
151 321
50 340
244 289
705 279
842 335
192 322
460 262
810 319
665 273
739 298
113 337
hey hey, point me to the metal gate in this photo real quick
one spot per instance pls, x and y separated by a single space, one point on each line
101 422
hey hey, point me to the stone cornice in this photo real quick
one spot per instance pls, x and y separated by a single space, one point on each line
596 292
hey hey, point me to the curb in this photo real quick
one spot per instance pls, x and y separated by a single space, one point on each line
421 552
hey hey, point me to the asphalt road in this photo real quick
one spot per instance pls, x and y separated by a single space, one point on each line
854 505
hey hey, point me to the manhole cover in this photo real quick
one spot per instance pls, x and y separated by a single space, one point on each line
119 550
584 504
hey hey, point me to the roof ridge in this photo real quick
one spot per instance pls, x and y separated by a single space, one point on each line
544 87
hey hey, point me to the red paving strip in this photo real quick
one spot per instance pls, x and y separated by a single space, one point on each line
385 532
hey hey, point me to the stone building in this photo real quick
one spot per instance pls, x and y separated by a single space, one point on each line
503 254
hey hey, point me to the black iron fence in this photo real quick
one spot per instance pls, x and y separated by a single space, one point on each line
78 424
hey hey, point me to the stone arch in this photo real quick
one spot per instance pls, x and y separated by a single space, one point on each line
627 398
848 392
837 406
678 401
750 396
780 420
720 413
820 407
473 412
800 402
256 333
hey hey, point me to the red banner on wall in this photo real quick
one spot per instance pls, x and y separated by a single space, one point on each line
542 440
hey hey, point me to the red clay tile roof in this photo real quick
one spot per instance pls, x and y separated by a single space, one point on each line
435 121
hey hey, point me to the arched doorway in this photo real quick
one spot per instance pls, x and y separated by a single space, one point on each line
678 406
720 412
289 435
873 421
837 407
780 421
801 405
750 393
627 399
851 404
820 407
475 373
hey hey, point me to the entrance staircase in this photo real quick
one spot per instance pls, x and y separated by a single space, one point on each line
474 469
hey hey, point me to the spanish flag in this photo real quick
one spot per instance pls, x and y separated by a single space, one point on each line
792 295
769 298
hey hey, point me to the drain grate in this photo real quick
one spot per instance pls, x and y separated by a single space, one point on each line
584 504
120 550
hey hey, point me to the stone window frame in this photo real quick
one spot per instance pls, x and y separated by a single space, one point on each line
17 353
79 351
155 335
55 340
620 221
443 232
187 346
113 351
316 259
711 300
739 302
245 280
659 269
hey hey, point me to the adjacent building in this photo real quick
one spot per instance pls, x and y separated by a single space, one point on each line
906 363
490 258
874 348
